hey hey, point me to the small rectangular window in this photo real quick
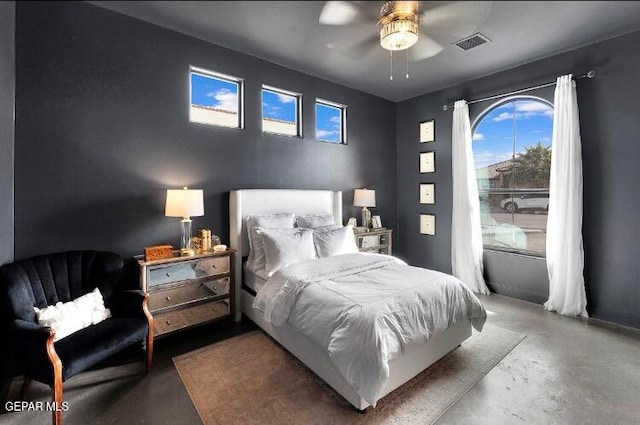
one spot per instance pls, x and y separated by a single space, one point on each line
215 99
331 122
281 112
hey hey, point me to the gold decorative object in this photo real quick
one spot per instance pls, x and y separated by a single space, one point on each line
205 236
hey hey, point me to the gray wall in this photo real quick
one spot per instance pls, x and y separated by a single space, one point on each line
103 130
7 98
609 111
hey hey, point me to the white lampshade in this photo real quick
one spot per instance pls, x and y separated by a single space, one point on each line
184 203
364 198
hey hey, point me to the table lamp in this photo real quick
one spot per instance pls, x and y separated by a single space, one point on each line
365 198
185 203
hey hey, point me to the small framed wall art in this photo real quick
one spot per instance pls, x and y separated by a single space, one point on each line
428 193
428 224
427 131
428 162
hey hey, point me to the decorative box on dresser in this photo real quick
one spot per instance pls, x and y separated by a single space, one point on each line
187 291
374 240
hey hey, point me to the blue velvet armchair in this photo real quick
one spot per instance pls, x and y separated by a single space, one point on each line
47 279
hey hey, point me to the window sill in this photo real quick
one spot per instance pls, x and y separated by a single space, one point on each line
528 254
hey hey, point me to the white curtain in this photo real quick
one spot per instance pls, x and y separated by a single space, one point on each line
466 233
565 255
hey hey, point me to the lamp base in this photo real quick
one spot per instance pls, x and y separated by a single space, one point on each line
186 249
187 252
366 218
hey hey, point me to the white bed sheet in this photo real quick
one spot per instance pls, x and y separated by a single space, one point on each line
253 279
366 310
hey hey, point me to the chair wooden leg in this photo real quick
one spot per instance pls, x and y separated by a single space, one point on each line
56 388
26 384
56 397
149 349
147 313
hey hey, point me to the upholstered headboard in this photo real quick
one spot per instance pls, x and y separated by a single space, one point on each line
243 203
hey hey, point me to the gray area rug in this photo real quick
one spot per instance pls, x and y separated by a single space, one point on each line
250 379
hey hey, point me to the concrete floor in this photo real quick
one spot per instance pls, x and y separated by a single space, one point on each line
566 371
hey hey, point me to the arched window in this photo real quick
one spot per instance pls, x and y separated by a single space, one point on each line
512 154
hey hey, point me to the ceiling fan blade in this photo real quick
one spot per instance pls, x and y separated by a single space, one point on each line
361 49
456 19
338 13
426 47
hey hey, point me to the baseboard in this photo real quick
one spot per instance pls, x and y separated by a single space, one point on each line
628 319
517 292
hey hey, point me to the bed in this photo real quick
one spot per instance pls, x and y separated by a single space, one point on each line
244 203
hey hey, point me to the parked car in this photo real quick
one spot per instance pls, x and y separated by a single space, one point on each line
528 201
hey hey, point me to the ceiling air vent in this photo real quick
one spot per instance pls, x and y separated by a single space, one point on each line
472 41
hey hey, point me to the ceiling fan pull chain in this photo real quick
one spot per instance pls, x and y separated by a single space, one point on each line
407 76
391 65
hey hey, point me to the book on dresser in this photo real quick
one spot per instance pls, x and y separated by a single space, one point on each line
188 291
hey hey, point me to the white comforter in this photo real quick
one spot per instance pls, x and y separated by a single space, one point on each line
366 309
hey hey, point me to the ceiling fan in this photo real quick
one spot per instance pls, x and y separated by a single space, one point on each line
425 28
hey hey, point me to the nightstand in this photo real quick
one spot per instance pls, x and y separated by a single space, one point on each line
374 240
187 291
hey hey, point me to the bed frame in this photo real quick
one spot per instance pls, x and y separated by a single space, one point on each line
269 201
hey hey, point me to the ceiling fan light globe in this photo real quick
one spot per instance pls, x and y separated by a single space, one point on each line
399 34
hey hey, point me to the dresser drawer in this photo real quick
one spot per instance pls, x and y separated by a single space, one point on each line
187 270
174 320
214 266
219 286
176 296
167 322
184 294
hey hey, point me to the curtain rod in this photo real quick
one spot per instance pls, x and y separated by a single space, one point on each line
591 74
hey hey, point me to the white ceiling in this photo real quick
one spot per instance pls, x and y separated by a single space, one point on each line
289 33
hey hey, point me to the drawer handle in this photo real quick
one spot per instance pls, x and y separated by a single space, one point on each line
168 322
213 266
215 310
168 298
168 275
215 288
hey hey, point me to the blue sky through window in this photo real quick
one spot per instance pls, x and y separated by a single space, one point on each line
328 123
495 134
279 106
214 93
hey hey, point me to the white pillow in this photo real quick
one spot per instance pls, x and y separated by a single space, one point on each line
285 248
328 227
312 221
335 242
256 259
67 318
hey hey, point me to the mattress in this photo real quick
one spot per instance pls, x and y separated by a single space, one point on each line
252 279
